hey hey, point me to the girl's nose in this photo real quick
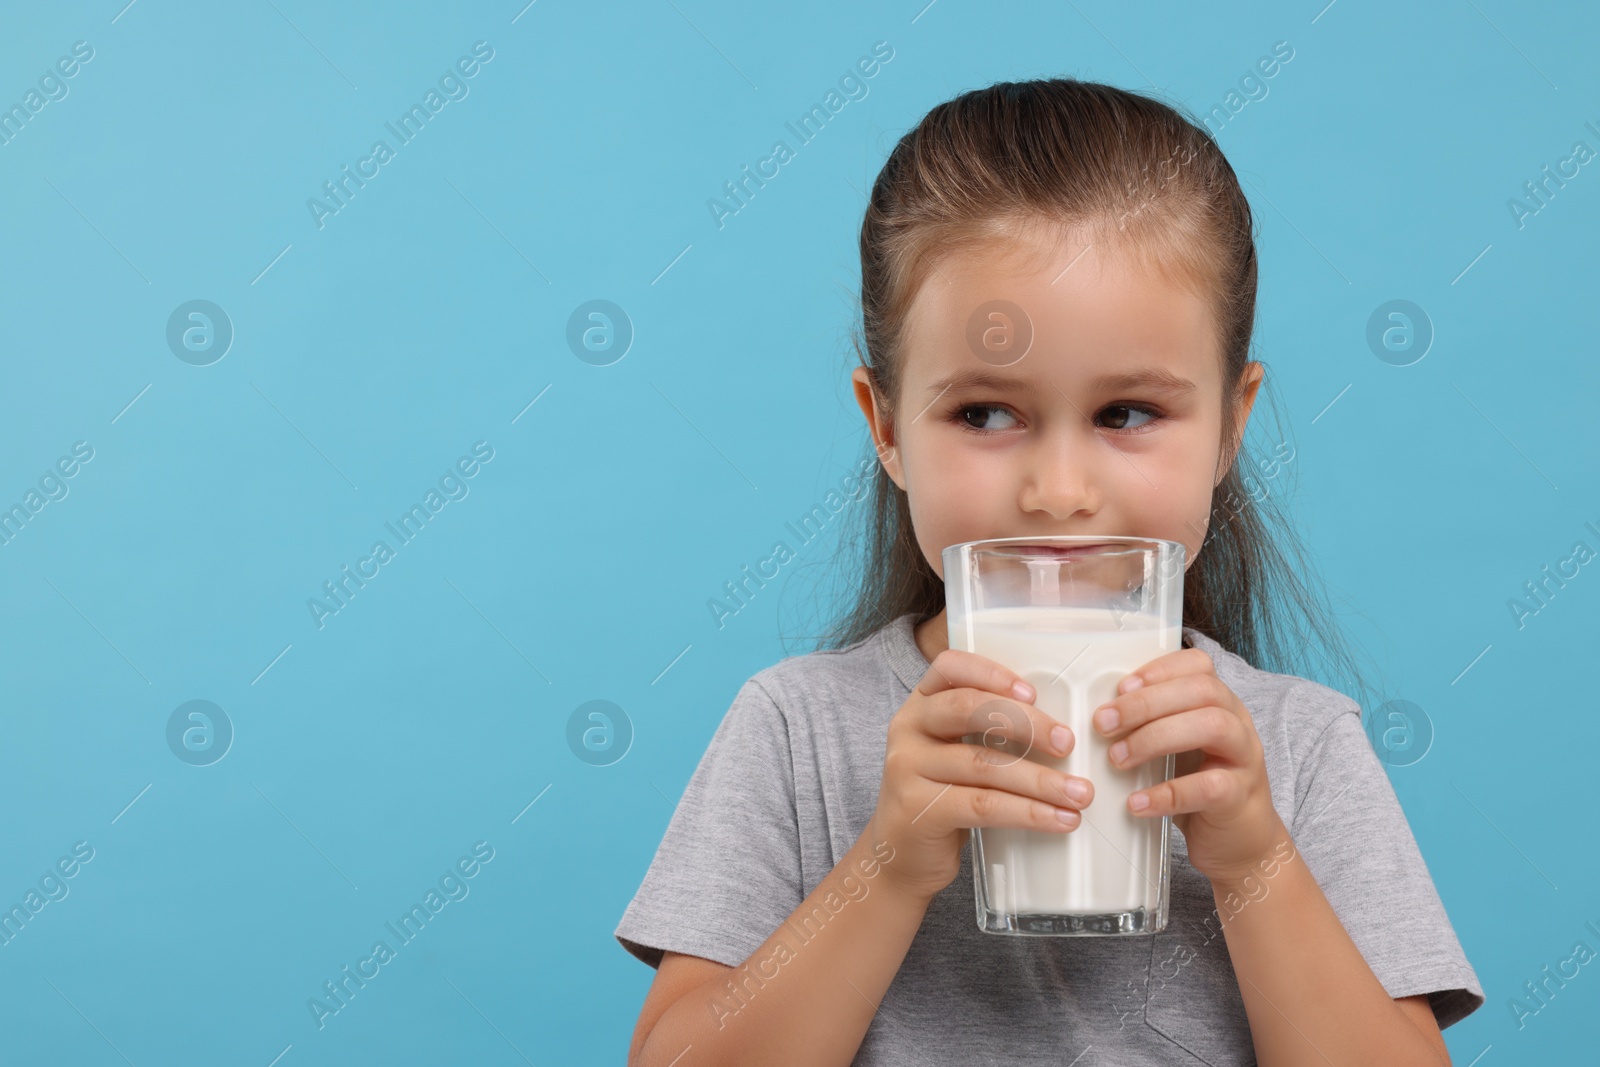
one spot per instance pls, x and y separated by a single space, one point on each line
1059 480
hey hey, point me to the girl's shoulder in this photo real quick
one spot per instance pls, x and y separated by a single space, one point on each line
884 662
1300 708
1313 741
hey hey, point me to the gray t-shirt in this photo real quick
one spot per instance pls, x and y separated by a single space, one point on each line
791 778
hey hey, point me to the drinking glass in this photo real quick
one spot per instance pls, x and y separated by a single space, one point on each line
1073 616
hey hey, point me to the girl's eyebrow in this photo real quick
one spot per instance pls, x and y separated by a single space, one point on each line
1157 379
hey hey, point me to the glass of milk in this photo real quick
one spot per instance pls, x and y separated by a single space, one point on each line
1074 616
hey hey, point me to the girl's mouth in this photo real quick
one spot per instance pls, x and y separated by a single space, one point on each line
1066 551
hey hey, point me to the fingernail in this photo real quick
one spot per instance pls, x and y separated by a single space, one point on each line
1119 752
1061 737
1067 815
1106 719
1138 802
1130 683
1023 692
1077 790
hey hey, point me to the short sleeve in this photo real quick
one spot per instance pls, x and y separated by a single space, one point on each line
1349 826
727 872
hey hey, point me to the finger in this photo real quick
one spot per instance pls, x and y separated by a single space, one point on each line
1132 710
1167 666
976 765
1213 730
955 669
965 806
1208 790
996 722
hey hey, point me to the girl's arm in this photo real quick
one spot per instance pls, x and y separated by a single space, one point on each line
808 994
1308 992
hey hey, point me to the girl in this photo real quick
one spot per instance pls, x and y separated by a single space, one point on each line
812 899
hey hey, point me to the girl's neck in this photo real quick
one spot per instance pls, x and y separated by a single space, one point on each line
932 636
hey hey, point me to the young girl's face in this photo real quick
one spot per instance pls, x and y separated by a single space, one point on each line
1052 443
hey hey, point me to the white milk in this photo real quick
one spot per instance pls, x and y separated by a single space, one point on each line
1112 862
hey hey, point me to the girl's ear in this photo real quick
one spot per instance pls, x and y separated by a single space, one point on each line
1251 384
882 429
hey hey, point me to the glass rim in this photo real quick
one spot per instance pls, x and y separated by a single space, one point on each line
1119 544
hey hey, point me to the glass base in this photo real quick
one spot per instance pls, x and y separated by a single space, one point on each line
1038 884
1138 921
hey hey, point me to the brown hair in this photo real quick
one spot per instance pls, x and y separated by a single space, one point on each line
1061 153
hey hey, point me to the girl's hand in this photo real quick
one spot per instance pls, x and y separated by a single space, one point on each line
935 785
1218 796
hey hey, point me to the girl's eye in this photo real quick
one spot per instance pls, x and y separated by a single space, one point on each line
973 416
1118 417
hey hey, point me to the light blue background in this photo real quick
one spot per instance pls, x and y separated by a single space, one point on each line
371 353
